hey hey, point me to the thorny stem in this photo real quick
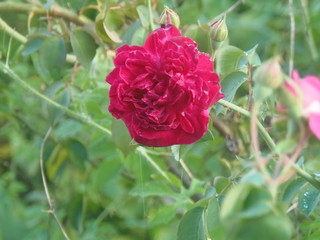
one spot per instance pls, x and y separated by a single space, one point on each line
12 32
310 38
230 9
153 163
255 141
54 11
150 15
292 32
45 185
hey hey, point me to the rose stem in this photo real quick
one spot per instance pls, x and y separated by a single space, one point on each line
45 185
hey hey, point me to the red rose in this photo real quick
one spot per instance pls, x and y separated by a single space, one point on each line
162 90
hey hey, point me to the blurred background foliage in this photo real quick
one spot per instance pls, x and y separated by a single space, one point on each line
103 186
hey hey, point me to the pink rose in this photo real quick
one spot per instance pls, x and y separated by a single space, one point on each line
309 88
162 90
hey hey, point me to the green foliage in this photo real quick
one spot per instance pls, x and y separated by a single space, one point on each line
104 185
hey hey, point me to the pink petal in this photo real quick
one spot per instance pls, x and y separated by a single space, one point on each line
314 124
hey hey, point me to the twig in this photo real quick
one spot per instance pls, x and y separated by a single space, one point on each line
186 169
230 9
173 168
292 33
250 90
153 163
54 11
255 142
310 38
150 15
45 185
12 32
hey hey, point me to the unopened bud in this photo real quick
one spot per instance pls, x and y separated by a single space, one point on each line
218 31
269 74
168 16
290 97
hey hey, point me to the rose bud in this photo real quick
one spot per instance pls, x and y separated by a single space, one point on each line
163 89
269 74
169 16
267 77
218 31
307 91
290 96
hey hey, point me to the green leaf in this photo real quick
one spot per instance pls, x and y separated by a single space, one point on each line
286 146
191 226
150 189
254 177
100 28
59 94
84 46
231 83
52 57
77 152
57 157
175 149
143 13
308 199
229 86
253 57
121 137
139 37
67 128
76 212
214 226
275 226
164 214
221 183
112 23
33 44
245 201
292 189
228 59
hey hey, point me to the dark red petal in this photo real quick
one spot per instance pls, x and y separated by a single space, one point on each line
157 38
113 76
205 62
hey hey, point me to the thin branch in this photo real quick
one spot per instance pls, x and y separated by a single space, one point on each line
230 9
153 163
255 142
292 33
12 32
310 38
45 185
186 169
54 11
150 15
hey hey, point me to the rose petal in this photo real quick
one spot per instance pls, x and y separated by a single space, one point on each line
314 124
